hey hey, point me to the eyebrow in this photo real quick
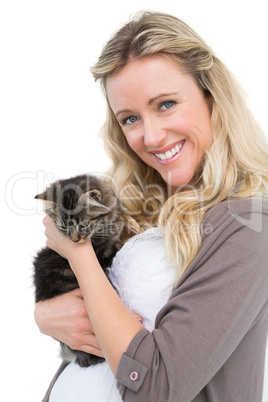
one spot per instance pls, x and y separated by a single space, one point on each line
150 102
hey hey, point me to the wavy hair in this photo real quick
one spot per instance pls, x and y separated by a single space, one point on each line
235 163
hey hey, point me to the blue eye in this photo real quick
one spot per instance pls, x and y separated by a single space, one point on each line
130 120
167 105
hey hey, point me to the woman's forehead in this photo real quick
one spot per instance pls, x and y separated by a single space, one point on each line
148 78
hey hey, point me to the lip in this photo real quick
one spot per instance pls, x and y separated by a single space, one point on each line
169 147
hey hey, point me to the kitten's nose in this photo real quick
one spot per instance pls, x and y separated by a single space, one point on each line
75 237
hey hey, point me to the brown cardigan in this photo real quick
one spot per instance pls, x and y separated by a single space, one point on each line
209 340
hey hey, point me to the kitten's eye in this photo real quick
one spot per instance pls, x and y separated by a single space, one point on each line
63 228
83 228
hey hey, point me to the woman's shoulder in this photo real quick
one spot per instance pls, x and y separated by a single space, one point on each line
248 212
235 224
234 232
240 206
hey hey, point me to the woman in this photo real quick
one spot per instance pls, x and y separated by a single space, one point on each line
189 158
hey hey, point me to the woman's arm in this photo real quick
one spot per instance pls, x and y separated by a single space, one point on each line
113 325
216 315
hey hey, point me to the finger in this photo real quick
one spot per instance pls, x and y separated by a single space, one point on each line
77 292
46 220
92 340
77 339
91 350
90 345
138 317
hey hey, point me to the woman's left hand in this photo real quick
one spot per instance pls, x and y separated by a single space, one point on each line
55 239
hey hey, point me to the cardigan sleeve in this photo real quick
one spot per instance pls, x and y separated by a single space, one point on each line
219 299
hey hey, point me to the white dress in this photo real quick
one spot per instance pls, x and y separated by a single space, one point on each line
143 279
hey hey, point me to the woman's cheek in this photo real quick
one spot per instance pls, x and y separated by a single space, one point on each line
134 141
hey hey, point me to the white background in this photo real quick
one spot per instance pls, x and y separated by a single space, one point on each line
50 114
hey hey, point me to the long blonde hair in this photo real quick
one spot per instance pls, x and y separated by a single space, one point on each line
235 163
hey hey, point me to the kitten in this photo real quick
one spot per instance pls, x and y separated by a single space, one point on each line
83 207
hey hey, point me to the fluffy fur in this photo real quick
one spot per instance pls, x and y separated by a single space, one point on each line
83 207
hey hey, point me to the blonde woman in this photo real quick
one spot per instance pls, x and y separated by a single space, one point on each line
190 166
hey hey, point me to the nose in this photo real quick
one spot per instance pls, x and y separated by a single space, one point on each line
154 134
74 236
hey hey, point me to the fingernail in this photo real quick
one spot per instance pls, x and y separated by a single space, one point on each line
138 317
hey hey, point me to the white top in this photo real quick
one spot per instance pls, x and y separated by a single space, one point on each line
143 279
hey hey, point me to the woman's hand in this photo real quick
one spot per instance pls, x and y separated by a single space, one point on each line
55 239
65 319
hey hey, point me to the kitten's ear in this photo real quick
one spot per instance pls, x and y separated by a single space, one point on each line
49 206
42 196
92 199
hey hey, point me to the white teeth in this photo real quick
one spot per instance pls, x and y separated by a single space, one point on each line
171 153
168 155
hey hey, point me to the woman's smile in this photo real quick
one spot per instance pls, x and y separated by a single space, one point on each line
163 115
169 154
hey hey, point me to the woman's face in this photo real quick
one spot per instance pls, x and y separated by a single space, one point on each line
164 116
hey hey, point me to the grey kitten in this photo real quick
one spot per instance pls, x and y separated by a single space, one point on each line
83 207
